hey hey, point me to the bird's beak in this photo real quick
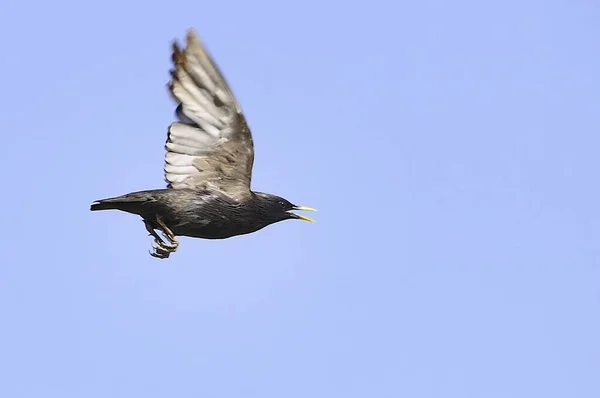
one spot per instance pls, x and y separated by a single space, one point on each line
303 208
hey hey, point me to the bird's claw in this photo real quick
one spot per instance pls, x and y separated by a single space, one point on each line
159 254
162 250
166 246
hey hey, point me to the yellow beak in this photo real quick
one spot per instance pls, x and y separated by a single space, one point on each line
304 208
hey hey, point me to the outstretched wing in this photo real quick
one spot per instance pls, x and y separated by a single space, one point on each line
210 146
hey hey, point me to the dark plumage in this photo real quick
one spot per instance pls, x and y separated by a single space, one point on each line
208 164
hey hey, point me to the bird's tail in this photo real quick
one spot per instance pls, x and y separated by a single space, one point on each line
105 204
124 202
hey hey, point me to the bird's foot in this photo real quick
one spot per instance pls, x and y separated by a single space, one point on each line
173 241
161 249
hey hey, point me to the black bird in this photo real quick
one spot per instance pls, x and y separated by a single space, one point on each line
208 164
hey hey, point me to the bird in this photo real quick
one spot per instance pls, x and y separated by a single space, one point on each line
207 166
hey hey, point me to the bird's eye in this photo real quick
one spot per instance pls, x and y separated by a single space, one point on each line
282 204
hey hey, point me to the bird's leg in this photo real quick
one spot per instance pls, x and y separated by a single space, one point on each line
167 233
161 248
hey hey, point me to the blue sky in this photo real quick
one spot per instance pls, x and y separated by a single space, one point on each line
450 147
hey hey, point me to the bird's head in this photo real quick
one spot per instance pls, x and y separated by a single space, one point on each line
279 209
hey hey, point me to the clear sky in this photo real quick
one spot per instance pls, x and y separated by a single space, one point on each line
451 148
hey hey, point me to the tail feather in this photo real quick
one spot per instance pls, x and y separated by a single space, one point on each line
104 204
124 202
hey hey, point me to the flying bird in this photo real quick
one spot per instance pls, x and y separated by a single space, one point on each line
208 164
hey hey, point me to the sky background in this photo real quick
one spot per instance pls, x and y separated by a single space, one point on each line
451 149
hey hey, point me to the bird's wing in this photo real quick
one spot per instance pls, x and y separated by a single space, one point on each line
210 146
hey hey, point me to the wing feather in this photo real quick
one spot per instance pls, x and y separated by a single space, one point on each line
210 146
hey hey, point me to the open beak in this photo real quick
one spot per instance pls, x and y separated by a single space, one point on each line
303 208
